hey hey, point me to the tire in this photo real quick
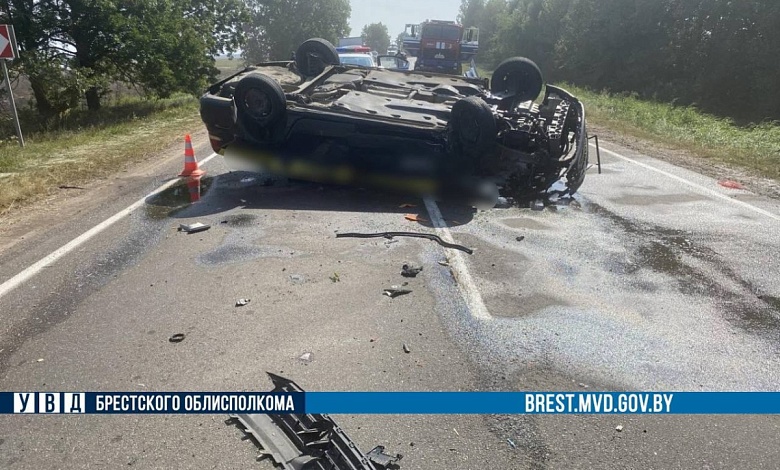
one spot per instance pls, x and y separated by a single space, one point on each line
472 131
260 105
520 76
314 55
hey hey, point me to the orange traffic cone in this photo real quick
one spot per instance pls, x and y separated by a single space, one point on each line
191 167
193 184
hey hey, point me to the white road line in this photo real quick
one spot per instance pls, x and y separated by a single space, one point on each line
468 288
34 269
699 187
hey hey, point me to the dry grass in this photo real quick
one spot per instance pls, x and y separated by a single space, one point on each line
91 147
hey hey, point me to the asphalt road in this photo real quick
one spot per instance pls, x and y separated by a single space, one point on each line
652 278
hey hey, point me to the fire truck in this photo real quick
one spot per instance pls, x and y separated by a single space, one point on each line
441 46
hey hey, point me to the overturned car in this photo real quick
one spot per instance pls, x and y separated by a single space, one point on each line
315 119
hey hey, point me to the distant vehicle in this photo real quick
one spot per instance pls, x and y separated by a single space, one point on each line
353 41
353 49
392 62
441 46
359 59
392 50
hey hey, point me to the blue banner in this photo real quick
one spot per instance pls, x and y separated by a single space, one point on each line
151 402
391 402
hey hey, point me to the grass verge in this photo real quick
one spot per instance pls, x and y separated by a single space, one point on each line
755 148
90 146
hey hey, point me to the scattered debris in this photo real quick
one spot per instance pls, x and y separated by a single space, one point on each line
406 206
335 277
456 432
583 385
730 184
306 357
194 228
503 203
242 302
406 349
297 279
296 441
410 271
378 457
64 186
40 360
429 236
177 338
511 443
444 263
395 291
619 428
415 218
520 238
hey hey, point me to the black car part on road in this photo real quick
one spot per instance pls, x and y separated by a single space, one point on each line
308 441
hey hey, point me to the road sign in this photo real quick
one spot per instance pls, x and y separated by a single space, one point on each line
7 42
8 52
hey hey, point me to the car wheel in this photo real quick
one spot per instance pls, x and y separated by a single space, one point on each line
260 105
472 131
314 55
520 76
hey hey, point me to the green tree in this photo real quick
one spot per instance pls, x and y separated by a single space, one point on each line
376 36
79 47
277 27
470 13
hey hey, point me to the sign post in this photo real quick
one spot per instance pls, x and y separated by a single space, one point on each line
8 52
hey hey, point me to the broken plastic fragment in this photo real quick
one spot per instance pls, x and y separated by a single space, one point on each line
298 440
395 292
378 456
194 228
389 235
242 302
410 271
415 218
730 184
406 349
177 338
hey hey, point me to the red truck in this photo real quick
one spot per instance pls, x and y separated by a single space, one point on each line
441 46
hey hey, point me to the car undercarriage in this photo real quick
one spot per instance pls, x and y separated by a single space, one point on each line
318 120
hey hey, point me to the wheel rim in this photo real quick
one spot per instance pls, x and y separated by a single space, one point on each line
257 103
469 131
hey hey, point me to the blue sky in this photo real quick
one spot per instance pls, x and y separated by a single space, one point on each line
396 13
